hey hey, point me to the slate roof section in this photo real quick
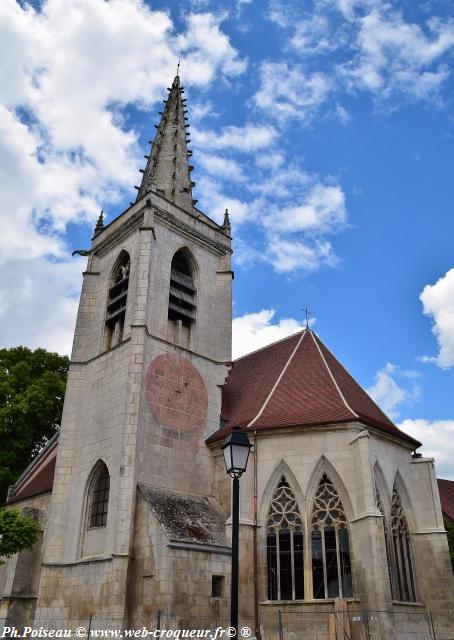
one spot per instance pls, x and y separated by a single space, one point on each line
446 489
296 382
186 518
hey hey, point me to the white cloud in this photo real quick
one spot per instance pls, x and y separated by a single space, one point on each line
245 139
39 302
255 330
438 302
220 166
291 255
207 50
437 437
217 200
397 57
289 92
322 211
389 394
383 53
290 237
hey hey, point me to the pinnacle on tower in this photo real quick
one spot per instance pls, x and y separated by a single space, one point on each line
100 224
226 224
167 171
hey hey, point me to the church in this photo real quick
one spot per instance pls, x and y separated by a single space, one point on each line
338 510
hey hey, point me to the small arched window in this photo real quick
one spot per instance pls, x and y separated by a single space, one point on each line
116 304
182 293
331 566
405 584
285 558
99 497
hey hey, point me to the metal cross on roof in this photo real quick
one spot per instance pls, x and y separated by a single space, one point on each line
307 313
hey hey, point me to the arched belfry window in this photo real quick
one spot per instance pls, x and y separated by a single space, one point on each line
285 558
401 549
331 566
98 498
182 291
116 304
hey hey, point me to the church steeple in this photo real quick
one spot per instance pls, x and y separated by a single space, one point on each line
168 171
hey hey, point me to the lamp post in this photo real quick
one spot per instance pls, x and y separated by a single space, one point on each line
236 453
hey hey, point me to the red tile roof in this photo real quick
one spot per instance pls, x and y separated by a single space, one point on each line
446 489
296 382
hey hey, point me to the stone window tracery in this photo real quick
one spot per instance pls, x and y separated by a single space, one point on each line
331 566
401 549
285 552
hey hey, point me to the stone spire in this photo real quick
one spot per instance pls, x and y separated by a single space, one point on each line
168 171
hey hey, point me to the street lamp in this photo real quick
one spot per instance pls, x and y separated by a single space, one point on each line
236 453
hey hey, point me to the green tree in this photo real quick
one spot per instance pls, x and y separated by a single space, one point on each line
449 526
17 532
32 388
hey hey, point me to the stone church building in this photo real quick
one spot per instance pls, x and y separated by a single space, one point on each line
132 495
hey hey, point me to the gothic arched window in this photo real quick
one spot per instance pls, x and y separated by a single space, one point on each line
405 583
331 567
116 304
285 559
99 497
182 290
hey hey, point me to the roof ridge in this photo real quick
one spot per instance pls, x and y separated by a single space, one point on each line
271 344
333 378
279 378
361 387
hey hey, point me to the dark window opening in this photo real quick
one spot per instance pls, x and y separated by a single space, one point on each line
401 552
217 586
182 292
116 304
272 566
331 566
100 498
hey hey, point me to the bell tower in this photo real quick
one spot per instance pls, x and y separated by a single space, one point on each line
151 349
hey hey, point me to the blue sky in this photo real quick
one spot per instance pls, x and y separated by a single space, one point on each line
325 126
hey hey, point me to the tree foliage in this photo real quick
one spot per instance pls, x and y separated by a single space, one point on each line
32 388
17 532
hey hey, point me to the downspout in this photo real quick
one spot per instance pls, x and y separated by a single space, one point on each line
256 589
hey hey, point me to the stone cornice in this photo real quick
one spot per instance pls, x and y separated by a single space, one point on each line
118 234
192 233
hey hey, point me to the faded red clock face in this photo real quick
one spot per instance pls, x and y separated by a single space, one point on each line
176 393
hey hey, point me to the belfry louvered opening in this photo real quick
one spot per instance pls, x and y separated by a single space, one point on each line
182 294
116 304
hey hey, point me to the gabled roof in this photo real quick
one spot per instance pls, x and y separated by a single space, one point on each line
296 382
446 489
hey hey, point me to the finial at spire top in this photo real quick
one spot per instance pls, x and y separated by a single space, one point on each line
178 67
308 313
